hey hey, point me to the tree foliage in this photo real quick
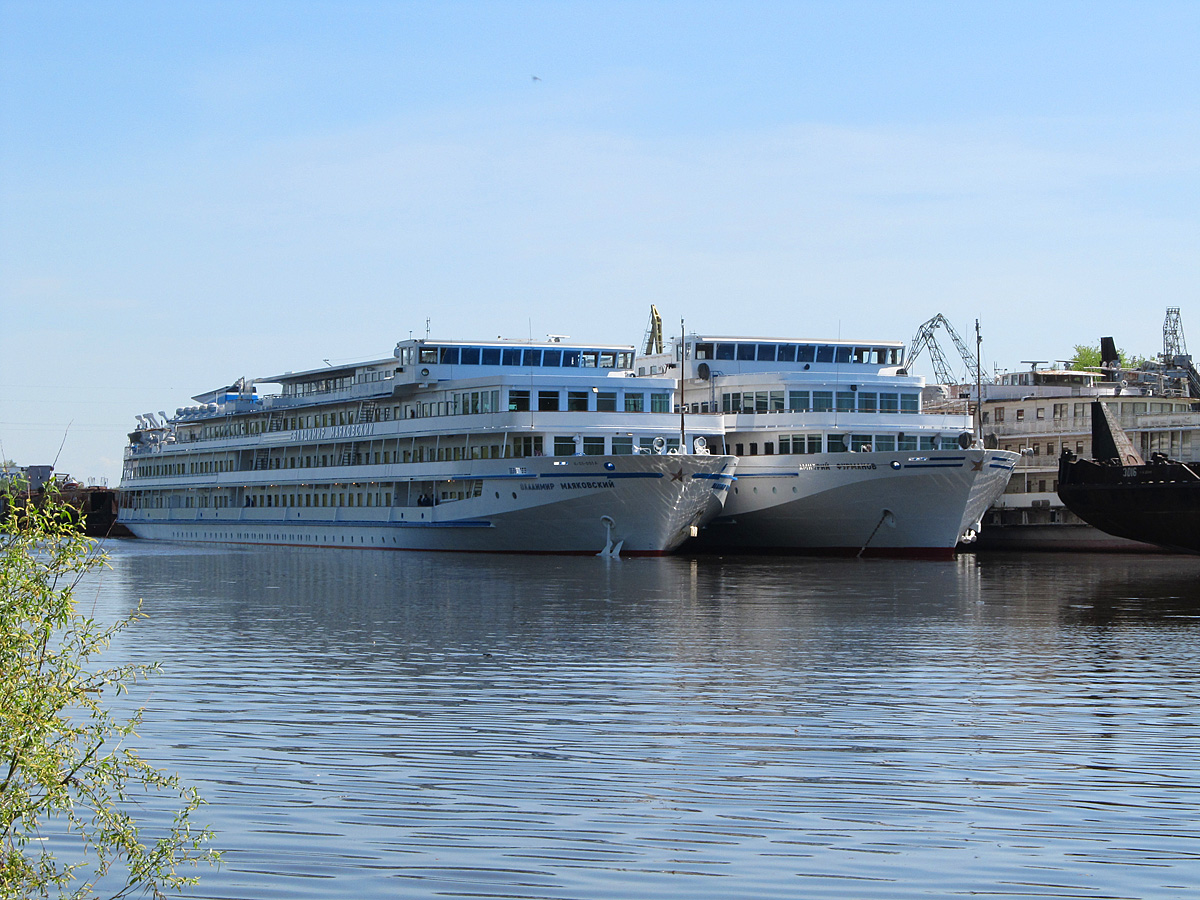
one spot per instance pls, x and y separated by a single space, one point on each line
1087 356
68 780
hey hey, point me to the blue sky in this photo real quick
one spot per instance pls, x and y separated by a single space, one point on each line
191 192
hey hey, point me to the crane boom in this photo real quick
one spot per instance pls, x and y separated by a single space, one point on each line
925 338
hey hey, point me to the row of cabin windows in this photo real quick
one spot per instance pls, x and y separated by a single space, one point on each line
1019 485
325 385
1053 448
1177 444
459 403
800 353
1062 411
526 356
843 443
520 446
523 400
820 401
580 401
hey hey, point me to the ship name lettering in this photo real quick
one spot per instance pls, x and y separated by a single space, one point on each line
331 432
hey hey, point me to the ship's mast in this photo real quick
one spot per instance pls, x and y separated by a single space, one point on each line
682 405
978 384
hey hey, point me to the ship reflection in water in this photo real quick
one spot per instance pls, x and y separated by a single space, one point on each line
407 725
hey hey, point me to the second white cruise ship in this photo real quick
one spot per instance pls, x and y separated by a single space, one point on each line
835 453
446 445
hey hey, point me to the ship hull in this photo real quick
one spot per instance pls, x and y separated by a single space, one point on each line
873 504
1158 503
646 504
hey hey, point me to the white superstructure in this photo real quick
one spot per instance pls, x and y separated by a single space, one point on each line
835 452
446 445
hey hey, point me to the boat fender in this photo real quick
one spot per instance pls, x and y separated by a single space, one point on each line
965 440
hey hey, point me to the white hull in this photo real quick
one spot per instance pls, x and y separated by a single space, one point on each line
888 503
649 504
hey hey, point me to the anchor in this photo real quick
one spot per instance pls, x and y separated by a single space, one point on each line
611 550
889 518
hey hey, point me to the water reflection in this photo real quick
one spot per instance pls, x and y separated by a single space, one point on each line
371 724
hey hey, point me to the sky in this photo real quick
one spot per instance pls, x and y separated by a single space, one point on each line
191 192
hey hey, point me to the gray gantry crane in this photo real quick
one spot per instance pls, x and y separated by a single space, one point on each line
925 338
1175 355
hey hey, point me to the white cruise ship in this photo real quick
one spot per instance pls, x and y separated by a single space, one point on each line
835 453
473 446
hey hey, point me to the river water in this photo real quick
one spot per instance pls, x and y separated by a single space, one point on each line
368 724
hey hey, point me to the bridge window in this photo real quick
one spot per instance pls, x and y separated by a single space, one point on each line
726 351
449 356
746 351
510 357
786 353
532 357
766 352
469 356
825 354
490 356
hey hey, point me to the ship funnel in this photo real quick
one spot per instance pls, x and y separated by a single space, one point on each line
1109 357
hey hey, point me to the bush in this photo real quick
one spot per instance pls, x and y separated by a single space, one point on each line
67 779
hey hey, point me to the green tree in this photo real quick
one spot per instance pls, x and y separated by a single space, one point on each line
1087 356
67 779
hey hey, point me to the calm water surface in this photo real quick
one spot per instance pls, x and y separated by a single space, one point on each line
372 724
